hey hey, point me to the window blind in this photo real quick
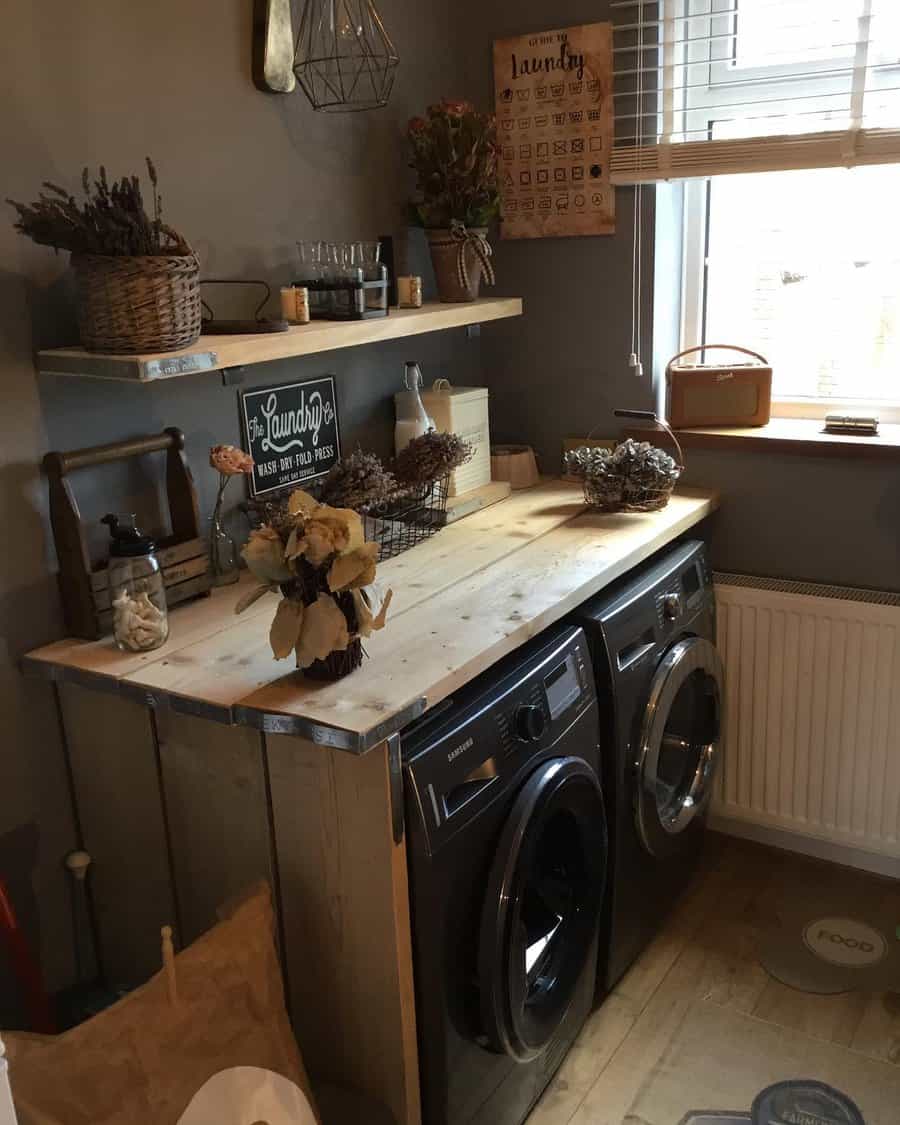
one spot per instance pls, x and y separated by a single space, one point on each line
711 87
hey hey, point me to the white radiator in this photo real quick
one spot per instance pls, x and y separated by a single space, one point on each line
812 736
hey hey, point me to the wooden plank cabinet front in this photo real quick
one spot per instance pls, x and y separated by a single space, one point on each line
180 813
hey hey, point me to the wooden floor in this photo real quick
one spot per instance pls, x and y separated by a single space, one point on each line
697 1022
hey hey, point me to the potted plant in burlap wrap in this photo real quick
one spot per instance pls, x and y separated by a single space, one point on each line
137 279
454 152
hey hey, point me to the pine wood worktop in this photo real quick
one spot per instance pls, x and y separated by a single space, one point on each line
462 600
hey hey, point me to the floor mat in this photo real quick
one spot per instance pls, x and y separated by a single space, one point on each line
719 1061
837 930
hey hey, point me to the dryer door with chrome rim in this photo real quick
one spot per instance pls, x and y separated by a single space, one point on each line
542 904
680 744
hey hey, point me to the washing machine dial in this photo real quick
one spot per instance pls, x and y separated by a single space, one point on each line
531 722
671 606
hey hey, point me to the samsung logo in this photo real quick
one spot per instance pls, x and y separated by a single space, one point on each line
461 749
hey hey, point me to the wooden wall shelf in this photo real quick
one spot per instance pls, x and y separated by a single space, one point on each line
218 353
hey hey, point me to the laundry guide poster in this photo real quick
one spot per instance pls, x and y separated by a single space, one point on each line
554 104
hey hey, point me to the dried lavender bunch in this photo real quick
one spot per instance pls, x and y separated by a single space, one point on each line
111 220
632 473
359 481
430 457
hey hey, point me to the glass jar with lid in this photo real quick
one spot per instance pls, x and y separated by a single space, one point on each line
136 590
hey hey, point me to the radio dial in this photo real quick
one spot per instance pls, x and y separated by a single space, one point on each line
531 722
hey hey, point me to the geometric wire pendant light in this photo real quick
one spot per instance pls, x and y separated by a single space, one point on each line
344 59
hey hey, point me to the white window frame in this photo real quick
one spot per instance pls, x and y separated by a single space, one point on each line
694 256
693 283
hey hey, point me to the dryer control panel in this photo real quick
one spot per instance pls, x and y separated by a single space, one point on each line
682 594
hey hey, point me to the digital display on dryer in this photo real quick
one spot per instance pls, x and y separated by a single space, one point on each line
691 582
562 686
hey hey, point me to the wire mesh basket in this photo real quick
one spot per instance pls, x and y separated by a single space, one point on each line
397 525
627 480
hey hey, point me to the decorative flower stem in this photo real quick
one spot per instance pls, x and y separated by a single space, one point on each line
223 557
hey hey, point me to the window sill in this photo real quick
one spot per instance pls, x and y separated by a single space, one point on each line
792 435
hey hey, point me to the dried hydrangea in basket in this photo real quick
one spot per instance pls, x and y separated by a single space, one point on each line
634 477
317 557
406 504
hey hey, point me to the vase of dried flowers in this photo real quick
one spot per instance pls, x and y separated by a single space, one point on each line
454 152
137 279
317 558
228 461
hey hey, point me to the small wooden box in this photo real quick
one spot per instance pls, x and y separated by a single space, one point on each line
737 394
463 411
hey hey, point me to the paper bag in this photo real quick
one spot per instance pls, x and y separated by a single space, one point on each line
224 1054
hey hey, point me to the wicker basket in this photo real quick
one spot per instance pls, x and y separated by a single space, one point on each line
140 304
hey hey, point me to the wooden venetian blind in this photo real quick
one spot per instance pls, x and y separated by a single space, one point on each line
710 87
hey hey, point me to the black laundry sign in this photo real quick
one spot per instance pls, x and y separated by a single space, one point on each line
291 432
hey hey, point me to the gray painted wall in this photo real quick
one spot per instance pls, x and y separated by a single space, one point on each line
244 175
563 370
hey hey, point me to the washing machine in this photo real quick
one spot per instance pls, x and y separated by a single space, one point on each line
506 843
661 696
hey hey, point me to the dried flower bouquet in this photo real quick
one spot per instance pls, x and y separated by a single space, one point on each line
317 557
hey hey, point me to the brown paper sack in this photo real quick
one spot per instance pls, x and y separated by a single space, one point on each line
222 1054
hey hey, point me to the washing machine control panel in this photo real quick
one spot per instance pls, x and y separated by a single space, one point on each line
531 722
528 719
464 751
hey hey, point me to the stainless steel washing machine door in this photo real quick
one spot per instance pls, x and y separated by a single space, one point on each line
541 907
680 744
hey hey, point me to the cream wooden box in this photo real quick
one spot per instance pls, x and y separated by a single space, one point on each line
463 411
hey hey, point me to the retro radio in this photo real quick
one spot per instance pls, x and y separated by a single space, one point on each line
702 394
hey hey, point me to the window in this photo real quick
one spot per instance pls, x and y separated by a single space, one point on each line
783 116
716 87
803 267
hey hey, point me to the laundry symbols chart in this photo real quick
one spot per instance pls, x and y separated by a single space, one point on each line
554 110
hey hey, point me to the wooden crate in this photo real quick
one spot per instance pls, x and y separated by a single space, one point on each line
183 555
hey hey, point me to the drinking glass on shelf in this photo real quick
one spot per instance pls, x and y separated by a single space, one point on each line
373 270
311 260
344 270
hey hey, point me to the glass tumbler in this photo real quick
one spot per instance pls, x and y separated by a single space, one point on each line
311 258
373 270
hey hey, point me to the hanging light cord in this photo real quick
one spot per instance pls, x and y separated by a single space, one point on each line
637 256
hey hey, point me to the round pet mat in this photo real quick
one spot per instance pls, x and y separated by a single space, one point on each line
834 935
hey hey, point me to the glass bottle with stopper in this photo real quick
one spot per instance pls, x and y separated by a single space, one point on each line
136 590
412 417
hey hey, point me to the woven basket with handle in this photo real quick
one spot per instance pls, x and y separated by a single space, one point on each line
149 303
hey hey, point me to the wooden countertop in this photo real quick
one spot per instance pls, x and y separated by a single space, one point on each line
462 600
